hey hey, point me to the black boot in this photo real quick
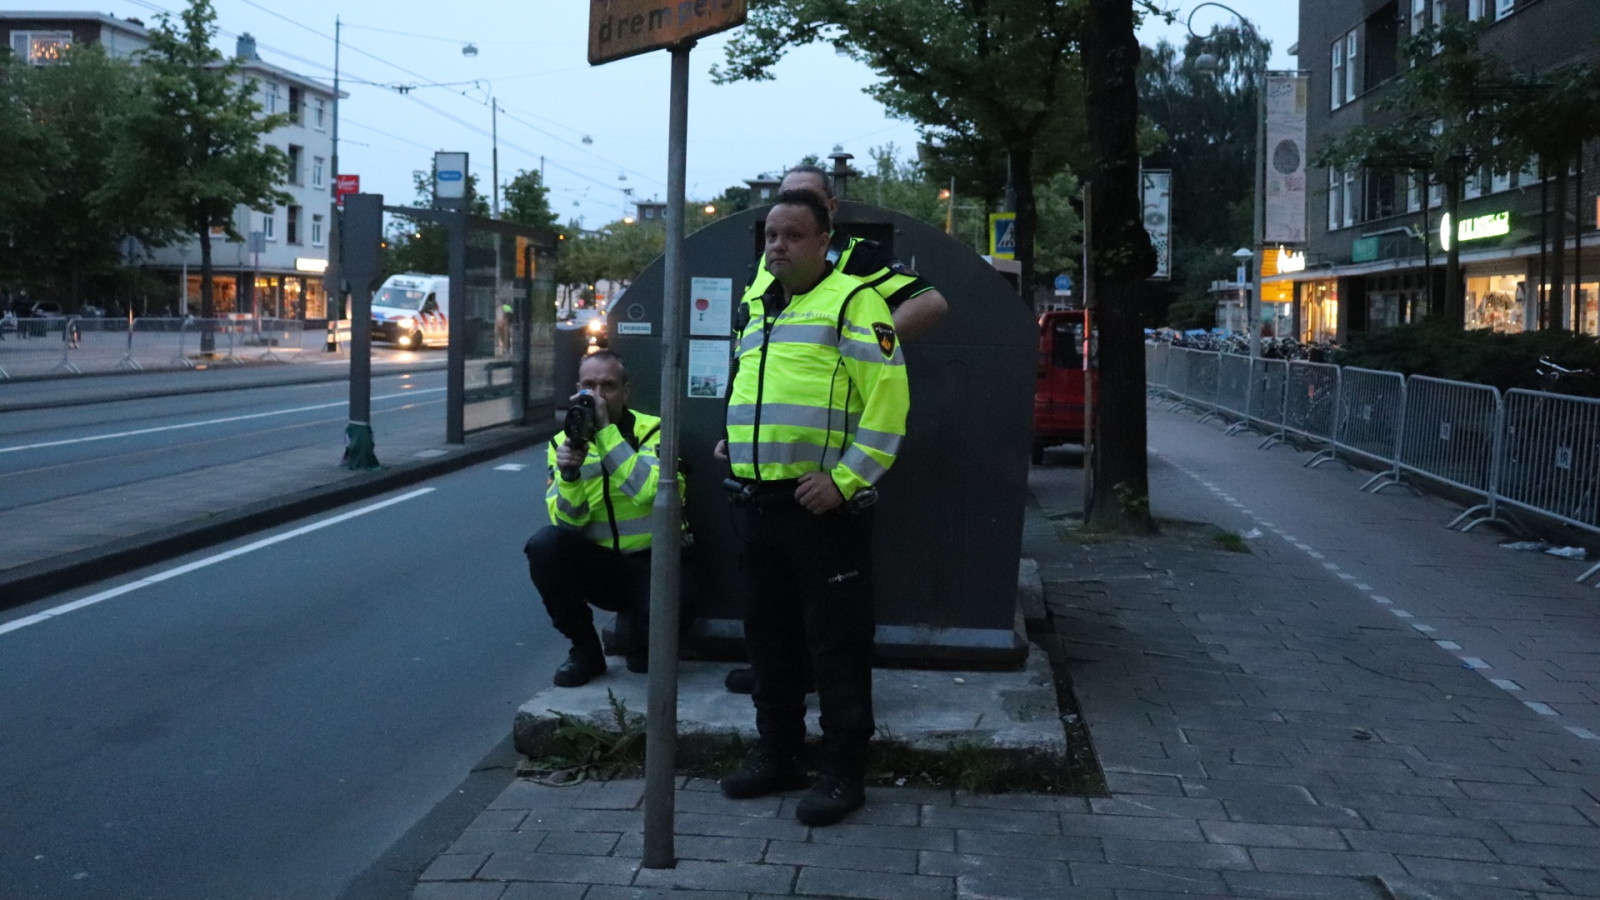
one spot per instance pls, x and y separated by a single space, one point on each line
585 661
830 799
764 772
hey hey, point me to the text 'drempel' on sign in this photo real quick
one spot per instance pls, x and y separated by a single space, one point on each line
619 28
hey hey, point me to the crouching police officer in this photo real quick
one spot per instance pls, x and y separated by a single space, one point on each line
597 552
815 417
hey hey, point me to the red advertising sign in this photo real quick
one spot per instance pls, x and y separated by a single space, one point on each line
348 184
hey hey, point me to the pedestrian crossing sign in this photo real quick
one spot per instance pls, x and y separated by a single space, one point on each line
1003 235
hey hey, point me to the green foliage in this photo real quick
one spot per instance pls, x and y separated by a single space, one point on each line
1479 356
1230 541
60 125
1203 127
985 82
528 201
582 750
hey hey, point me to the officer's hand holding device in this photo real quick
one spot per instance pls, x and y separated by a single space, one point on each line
584 419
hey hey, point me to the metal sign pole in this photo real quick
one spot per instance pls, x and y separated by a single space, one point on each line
661 724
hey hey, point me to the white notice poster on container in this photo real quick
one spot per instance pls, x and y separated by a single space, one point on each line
711 306
708 368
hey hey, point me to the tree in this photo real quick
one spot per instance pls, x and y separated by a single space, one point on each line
1556 113
1445 119
976 77
197 132
1121 258
528 201
1202 126
60 125
420 245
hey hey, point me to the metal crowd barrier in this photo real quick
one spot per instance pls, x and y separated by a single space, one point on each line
1268 380
77 344
1525 450
1550 456
1233 389
1371 414
1157 356
1451 434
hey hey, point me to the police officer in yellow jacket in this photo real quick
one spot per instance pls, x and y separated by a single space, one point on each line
597 551
816 414
915 304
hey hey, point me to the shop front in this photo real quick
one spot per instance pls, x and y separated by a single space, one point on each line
1319 310
1498 301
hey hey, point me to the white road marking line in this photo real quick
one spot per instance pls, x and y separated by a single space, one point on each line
1385 601
222 421
1584 733
1543 709
186 568
1425 629
1473 662
1363 587
510 467
1448 645
1402 614
1505 684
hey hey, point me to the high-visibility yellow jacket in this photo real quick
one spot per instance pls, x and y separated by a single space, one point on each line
864 259
616 487
821 386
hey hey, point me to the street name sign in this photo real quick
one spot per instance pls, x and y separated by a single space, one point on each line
621 28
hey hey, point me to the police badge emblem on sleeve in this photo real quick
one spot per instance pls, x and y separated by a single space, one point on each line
885 335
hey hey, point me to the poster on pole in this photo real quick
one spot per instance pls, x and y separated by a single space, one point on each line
1284 180
1155 189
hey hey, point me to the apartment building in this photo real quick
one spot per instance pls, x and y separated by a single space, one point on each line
1374 247
277 269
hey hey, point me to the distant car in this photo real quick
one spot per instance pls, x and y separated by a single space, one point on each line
46 309
91 312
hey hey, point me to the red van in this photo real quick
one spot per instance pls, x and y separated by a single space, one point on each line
1058 394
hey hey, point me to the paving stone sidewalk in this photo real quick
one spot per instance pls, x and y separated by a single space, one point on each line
1265 731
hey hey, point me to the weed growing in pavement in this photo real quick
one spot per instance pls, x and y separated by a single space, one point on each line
1230 541
581 750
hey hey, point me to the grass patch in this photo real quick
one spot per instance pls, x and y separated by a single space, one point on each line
1230 541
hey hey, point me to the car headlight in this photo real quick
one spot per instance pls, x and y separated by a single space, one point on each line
597 325
406 322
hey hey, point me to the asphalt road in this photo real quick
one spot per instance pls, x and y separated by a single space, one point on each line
266 718
46 454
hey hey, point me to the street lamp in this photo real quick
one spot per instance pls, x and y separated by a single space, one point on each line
1208 62
1244 255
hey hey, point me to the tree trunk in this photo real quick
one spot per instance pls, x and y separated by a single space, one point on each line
1027 219
207 339
1455 300
1558 249
1122 258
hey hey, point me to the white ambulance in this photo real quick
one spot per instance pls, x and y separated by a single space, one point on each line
412 311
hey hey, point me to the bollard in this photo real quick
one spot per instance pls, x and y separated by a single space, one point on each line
332 344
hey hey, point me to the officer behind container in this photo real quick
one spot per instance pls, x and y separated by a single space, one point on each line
598 549
915 303
816 414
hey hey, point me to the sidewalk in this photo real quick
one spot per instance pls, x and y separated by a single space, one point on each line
1365 705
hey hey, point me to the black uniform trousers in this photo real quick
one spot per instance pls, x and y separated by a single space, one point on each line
572 572
808 600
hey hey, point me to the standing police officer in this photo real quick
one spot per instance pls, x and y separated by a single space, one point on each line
597 551
916 305
816 414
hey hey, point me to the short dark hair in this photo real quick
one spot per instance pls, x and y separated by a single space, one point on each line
611 355
819 210
820 172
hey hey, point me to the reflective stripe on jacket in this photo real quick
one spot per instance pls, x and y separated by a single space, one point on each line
820 386
611 500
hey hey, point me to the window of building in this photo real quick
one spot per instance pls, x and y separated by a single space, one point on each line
319 114
269 228
1336 83
40 48
1419 16
316 171
1335 199
1414 191
1503 8
1352 71
1436 18
1530 172
269 98
1472 185
295 153
1349 199
292 225
316 230
1476 9
1380 201
296 105
1497 302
